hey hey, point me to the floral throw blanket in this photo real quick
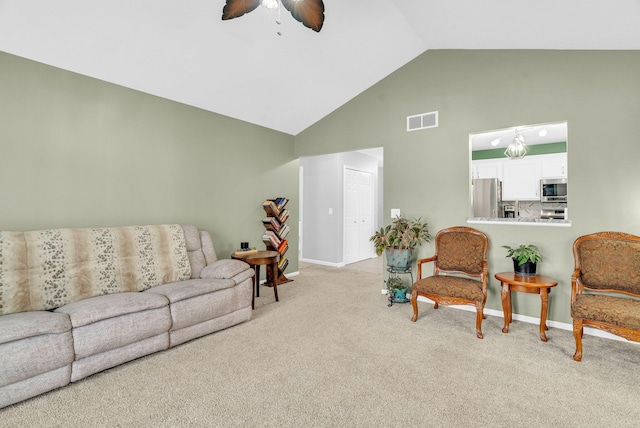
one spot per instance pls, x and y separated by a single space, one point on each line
46 269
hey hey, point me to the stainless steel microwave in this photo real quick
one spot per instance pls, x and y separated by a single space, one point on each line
553 190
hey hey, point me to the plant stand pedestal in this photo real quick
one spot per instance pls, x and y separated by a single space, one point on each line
395 272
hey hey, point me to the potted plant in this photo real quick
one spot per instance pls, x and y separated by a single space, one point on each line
398 240
525 259
396 290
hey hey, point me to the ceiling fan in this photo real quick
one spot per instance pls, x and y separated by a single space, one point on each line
309 12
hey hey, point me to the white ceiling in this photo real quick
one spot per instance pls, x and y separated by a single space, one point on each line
183 51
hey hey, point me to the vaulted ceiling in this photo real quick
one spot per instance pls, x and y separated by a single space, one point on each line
286 76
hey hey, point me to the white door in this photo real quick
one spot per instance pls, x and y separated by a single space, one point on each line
358 215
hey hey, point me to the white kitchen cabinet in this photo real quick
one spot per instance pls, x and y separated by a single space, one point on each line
521 179
488 168
554 165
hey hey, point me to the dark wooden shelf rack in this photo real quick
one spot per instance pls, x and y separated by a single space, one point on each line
276 233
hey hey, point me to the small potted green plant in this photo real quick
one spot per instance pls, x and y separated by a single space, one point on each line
398 240
525 259
396 290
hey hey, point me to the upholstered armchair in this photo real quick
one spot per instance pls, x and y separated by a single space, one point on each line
459 272
607 267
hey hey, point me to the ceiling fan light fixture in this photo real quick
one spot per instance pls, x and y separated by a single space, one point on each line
269 4
517 149
309 12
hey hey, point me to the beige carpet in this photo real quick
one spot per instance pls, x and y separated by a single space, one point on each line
332 354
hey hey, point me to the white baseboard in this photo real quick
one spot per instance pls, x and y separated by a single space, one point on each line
533 320
323 263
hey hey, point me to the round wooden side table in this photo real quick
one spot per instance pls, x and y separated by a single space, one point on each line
535 284
255 259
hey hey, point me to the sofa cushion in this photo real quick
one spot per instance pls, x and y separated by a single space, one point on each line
192 238
224 269
33 343
199 249
177 291
209 251
618 311
99 308
205 307
23 325
194 250
104 323
26 388
116 355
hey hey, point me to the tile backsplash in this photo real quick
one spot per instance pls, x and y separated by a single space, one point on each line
531 209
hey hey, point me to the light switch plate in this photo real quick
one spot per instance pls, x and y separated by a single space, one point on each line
395 212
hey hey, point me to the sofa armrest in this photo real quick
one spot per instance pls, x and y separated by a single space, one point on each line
224 269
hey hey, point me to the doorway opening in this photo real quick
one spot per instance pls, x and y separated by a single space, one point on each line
341 205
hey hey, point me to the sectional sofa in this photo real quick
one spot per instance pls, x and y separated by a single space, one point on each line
74 302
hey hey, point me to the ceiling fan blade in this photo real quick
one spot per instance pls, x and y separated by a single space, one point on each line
237 8
309 12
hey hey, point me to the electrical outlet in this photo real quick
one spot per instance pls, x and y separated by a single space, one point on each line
395 212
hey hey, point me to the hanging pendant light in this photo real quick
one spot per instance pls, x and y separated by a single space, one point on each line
517 149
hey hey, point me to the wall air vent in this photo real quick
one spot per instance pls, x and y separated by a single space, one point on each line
422 121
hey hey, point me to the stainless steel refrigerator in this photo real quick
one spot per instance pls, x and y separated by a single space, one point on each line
487 197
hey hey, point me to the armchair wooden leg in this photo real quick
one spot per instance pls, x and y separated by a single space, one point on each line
479 317
577 335
414 304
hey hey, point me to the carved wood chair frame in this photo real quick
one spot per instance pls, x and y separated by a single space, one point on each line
440 299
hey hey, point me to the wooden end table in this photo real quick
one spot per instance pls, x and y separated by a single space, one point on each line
535 284
255 260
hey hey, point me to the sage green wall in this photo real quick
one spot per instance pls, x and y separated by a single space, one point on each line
79 152
427 172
